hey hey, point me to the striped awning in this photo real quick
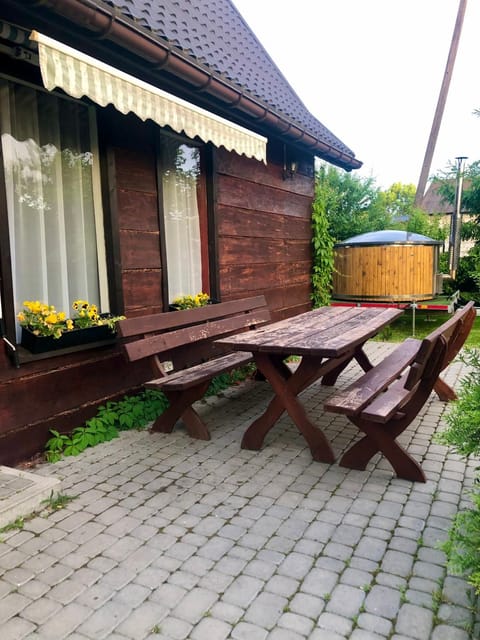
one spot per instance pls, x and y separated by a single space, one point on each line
81 75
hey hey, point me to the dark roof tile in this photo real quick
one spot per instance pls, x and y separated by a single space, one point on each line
213 33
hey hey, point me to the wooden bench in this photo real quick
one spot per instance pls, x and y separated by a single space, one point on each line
180 346
385 400
455 330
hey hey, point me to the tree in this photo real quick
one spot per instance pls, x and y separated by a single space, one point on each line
469 266
447 183
349 201
399 202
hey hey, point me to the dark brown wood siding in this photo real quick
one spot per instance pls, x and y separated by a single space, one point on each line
62 392
264 232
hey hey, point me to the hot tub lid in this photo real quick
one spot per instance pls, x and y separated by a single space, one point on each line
387 236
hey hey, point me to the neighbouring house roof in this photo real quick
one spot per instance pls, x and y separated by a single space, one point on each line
209 46
433 202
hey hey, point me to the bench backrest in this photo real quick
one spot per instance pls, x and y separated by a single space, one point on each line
410 391
186 337
455 331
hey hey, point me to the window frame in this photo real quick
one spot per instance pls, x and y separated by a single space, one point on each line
7 300
205 209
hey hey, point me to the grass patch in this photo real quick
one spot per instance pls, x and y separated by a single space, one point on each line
425 322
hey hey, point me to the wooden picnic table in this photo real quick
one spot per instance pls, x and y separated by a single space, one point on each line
327 340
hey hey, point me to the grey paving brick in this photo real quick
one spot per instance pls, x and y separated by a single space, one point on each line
375 624
335 623
398 563
319 582
171 628
414 621
362 634
370 548
242 591
11 605
345 601
227 612
296 623
195 604
17 629
209 628
142 620
382 601
248 631
66 620
446 632
326 634
266 610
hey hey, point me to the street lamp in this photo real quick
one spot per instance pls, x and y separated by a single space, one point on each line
456 221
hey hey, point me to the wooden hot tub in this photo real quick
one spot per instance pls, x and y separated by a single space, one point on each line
386 266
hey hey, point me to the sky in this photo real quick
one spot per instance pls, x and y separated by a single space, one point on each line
371 71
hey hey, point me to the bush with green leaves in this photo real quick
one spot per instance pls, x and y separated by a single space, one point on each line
463 435
132 412
463 420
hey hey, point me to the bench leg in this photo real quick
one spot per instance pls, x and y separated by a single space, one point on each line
181 407
444 391
381 438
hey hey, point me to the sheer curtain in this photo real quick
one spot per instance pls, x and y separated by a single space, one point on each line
47 154
180 174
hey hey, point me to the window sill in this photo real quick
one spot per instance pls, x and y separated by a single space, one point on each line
19 355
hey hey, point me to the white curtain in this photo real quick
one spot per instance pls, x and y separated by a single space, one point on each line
180 174
47 153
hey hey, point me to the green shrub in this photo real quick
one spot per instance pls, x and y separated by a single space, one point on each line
463 419
463 435
463 544
133 412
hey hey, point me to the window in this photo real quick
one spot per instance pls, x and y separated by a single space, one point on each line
53 198
184 211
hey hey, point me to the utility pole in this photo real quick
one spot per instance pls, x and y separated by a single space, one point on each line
456 221
442 98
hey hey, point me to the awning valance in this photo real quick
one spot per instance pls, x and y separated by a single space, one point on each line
81 75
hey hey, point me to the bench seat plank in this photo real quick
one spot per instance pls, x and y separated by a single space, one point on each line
201 372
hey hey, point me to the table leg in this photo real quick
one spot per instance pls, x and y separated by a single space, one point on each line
360 356
287 387
444 391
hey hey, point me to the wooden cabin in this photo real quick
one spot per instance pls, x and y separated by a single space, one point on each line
149 150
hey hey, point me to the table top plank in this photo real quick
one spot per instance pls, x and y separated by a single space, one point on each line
326 332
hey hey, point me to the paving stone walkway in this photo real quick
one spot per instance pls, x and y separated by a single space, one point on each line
170 538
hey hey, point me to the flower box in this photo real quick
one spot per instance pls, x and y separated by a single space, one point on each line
73 338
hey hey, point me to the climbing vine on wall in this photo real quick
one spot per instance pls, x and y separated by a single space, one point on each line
322 248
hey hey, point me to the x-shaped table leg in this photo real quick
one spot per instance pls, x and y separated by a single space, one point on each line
287 386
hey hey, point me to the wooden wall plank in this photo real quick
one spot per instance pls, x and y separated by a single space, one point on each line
137 210
140 250
142 290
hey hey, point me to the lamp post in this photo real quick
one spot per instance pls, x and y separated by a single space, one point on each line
456 221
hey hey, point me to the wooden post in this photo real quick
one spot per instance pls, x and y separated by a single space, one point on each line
442 98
